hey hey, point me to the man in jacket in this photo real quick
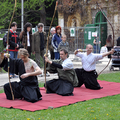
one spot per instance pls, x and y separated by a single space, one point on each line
67 78
50 43
14 43
38 45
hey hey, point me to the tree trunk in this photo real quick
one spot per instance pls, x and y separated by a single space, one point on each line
43 14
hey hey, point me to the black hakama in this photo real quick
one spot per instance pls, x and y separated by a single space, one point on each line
27 88
89 79
60 87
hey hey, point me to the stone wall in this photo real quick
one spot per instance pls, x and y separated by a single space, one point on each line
86 15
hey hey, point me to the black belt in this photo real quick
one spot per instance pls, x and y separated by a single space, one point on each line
89 71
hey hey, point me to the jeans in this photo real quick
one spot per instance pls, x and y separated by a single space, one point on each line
57 55
13 54
96 48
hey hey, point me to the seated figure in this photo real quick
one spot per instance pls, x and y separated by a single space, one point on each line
67 78
27 70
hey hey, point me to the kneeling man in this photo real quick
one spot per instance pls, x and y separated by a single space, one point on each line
88 75
64 85
27 70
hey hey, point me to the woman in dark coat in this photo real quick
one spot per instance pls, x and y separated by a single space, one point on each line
26 37
56 40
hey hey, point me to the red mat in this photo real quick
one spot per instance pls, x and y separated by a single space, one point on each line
54 100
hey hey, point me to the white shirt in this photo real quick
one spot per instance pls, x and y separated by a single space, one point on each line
89 61
103 49
67 64
28 39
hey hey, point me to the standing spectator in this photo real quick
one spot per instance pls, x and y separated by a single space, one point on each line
118 41
26 37
14 44
56 40
38 45
109 44
50 42
96 45
103 49
63 44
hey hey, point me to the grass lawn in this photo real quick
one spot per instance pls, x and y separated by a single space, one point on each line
107 108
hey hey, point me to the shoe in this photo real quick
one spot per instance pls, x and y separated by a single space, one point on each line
47 75
40 98
11 76
15 76
40 75
101 87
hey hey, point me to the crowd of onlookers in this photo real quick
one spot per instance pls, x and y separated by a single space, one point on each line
36 43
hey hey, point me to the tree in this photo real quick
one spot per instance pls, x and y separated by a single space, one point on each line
34 11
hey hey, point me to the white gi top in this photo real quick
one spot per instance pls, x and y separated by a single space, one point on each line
30 66
67 64
89 61
28 39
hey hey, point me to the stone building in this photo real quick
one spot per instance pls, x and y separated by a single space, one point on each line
81 13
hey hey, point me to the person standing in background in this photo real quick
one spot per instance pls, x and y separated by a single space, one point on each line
96 45
56 40
103 49
118 41
38 46
50 42
26 37
109 44
14 44
63 44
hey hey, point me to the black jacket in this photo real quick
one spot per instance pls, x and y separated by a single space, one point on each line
13 41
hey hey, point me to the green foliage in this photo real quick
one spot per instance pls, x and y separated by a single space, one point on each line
32 10
111 77
1 43
41 60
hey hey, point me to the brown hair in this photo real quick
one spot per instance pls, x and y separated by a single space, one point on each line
64 50
40 25
24 52
13 24
109 38
58 27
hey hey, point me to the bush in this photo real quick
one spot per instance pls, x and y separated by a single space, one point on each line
1 43
41 60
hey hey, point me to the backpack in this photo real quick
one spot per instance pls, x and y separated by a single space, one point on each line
5 40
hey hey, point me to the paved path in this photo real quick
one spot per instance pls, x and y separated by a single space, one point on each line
77 64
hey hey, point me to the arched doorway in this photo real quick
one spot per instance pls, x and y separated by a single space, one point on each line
101 21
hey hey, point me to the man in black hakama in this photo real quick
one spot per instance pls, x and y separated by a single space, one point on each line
27 88
64 85
88 75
